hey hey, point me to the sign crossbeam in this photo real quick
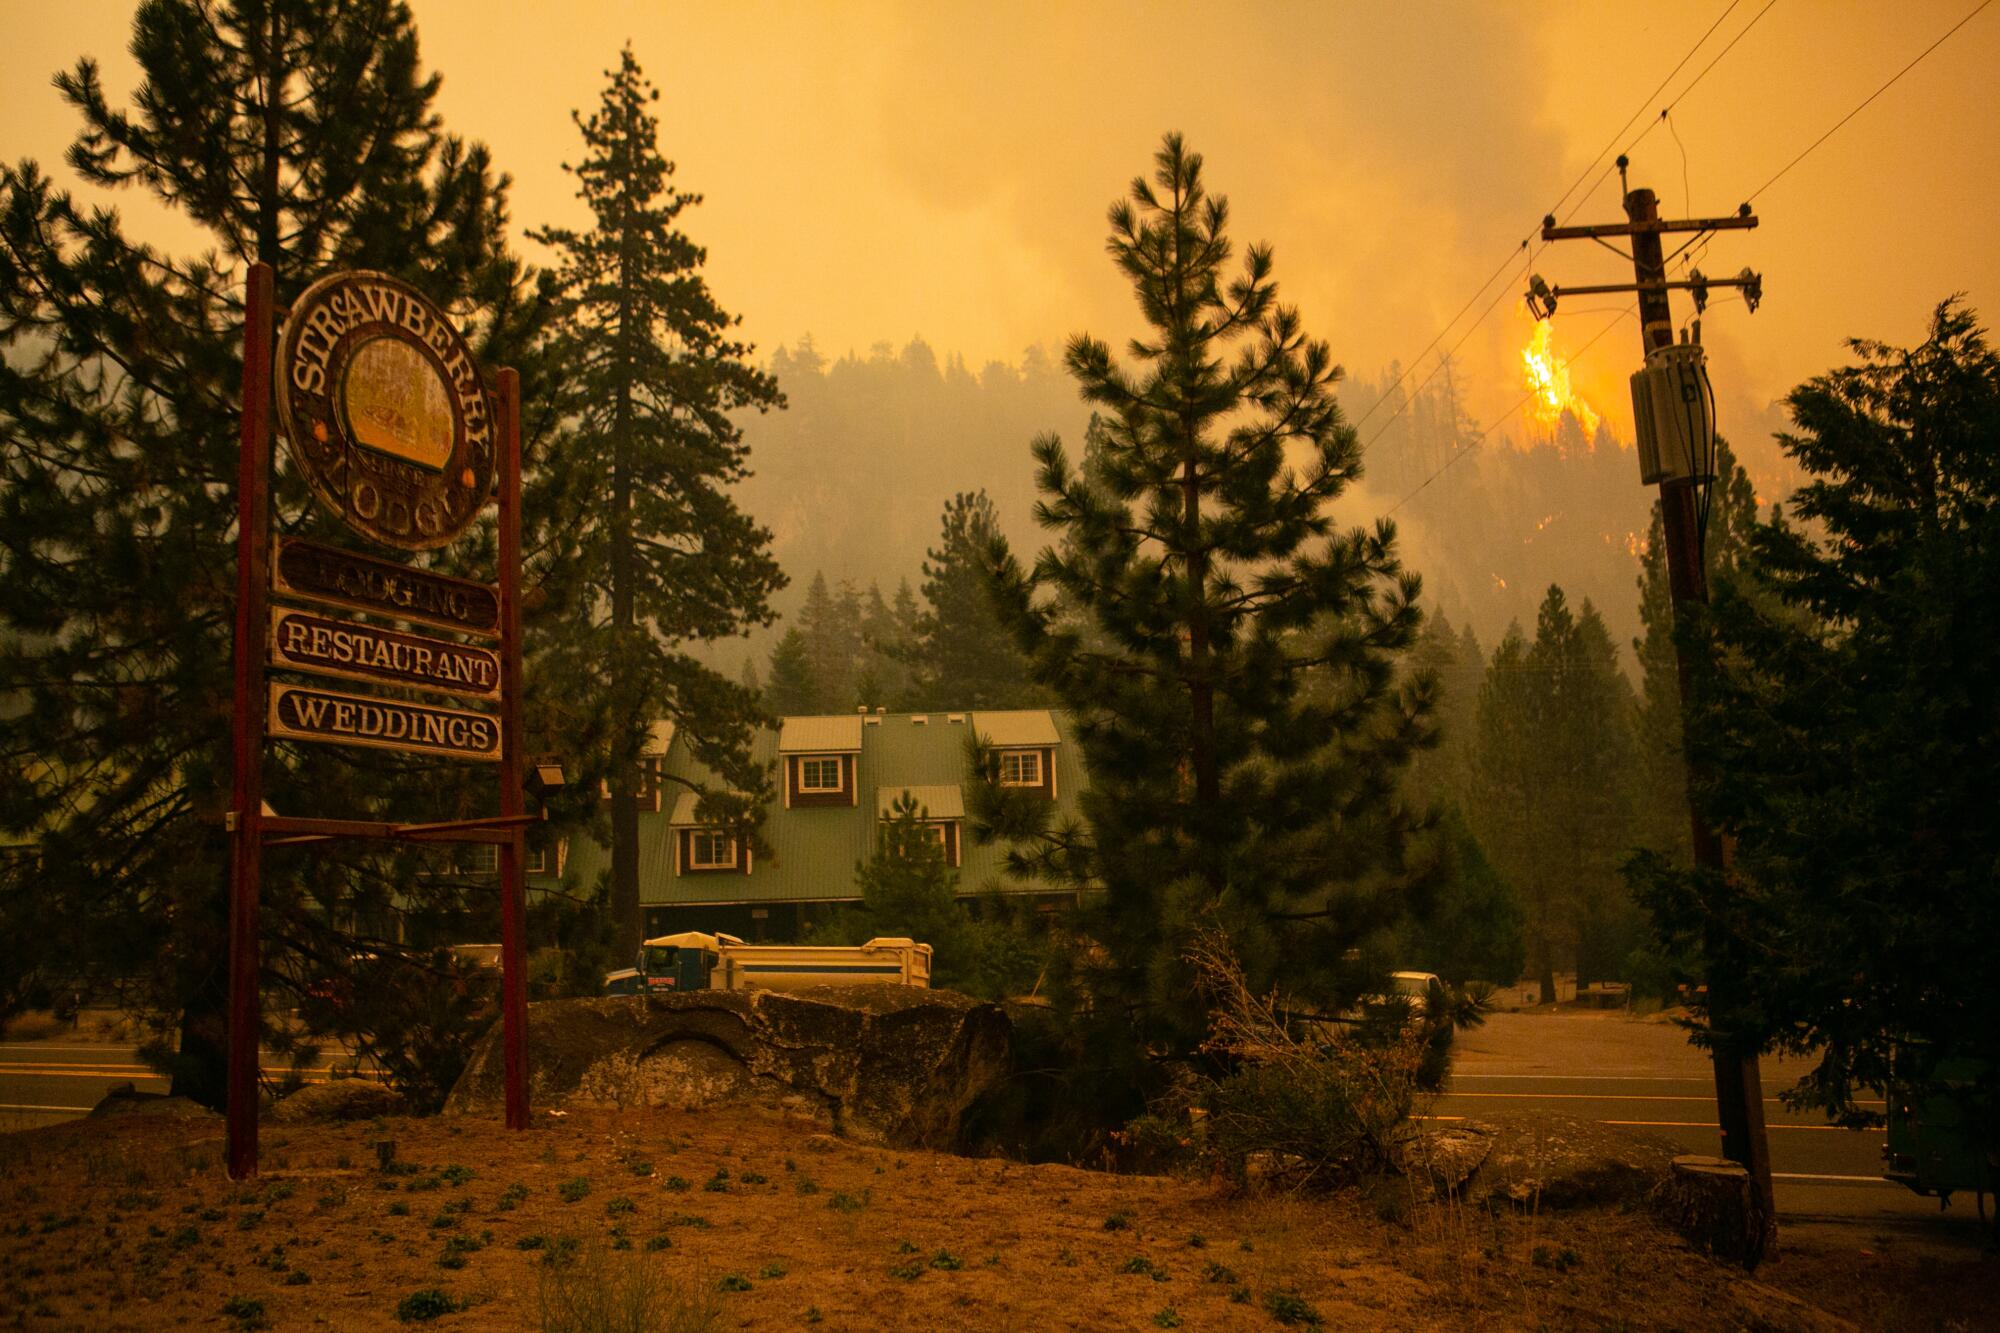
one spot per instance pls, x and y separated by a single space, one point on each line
491 829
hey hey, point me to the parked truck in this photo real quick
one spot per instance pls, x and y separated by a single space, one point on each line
696 961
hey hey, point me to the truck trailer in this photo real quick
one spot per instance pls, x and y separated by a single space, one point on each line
696 961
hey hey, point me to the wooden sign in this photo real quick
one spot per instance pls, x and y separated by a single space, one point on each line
363 583
306 642
385 410
302 713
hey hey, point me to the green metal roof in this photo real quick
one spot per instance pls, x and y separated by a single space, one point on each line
814 850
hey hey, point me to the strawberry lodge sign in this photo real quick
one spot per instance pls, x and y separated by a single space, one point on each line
395 428
384 408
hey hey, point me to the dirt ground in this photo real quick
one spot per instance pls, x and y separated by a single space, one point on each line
130 1222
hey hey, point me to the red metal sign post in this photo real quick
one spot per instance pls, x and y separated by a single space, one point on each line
246 802
386 413
513 892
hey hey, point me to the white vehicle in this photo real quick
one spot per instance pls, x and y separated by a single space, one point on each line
695 961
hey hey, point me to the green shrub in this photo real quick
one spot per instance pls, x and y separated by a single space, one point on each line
1288 1307
421 1307
247 1313
574 1188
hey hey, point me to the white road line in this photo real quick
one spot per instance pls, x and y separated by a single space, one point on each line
1774 1129
1704 1076
1846 1180
17 1106
1607 1097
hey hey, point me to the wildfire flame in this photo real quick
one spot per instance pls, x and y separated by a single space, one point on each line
1546 375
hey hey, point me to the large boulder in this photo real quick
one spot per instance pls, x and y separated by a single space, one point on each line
338 1099
879 1063
1553 1162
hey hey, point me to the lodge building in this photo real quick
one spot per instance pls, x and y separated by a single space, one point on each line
836 781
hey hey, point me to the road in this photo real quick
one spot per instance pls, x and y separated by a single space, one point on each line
1590 1066
1643 1075
45 1082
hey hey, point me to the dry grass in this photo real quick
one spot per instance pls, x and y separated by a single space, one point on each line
131 1223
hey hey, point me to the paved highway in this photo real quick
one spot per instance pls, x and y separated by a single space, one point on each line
1643 1075
1589 1066
45 1082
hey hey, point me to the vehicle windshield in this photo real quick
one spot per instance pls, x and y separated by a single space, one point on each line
1415 987
659 957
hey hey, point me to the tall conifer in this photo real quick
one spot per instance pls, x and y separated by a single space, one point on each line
654 374
296 132
961 654
1200 551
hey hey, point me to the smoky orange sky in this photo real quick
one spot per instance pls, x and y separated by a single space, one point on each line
874 171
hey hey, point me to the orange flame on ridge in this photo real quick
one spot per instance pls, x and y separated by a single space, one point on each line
1546 376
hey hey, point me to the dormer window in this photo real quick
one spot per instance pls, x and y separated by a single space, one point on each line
701 848
820 774
711 849
1021 768
817 757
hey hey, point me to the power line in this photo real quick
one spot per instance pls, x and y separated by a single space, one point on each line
1505 264
1526 241
1410 399
1743 32
1494 425
1975 13
1648 101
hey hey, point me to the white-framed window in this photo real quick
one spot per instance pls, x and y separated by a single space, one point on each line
937 835
820 775
481 858
1021 768
711 849
535 861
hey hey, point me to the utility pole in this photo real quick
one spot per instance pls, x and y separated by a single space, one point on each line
1739 1092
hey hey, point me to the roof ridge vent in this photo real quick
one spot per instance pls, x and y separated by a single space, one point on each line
954 717
919 719
871 721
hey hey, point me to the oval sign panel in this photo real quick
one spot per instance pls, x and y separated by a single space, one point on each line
383 405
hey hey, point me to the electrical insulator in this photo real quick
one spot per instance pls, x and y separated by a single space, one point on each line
1673 410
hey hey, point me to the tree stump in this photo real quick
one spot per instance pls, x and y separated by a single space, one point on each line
1713 1203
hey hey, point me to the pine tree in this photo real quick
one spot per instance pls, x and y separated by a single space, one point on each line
884 671
1222 793
1550 788
1661 797
300 133
792 691
1844 732
654 377
1474 930
961 655
827 645
1442 775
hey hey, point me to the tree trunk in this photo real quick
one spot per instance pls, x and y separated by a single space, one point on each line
1713 1203
627 923
199 1070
